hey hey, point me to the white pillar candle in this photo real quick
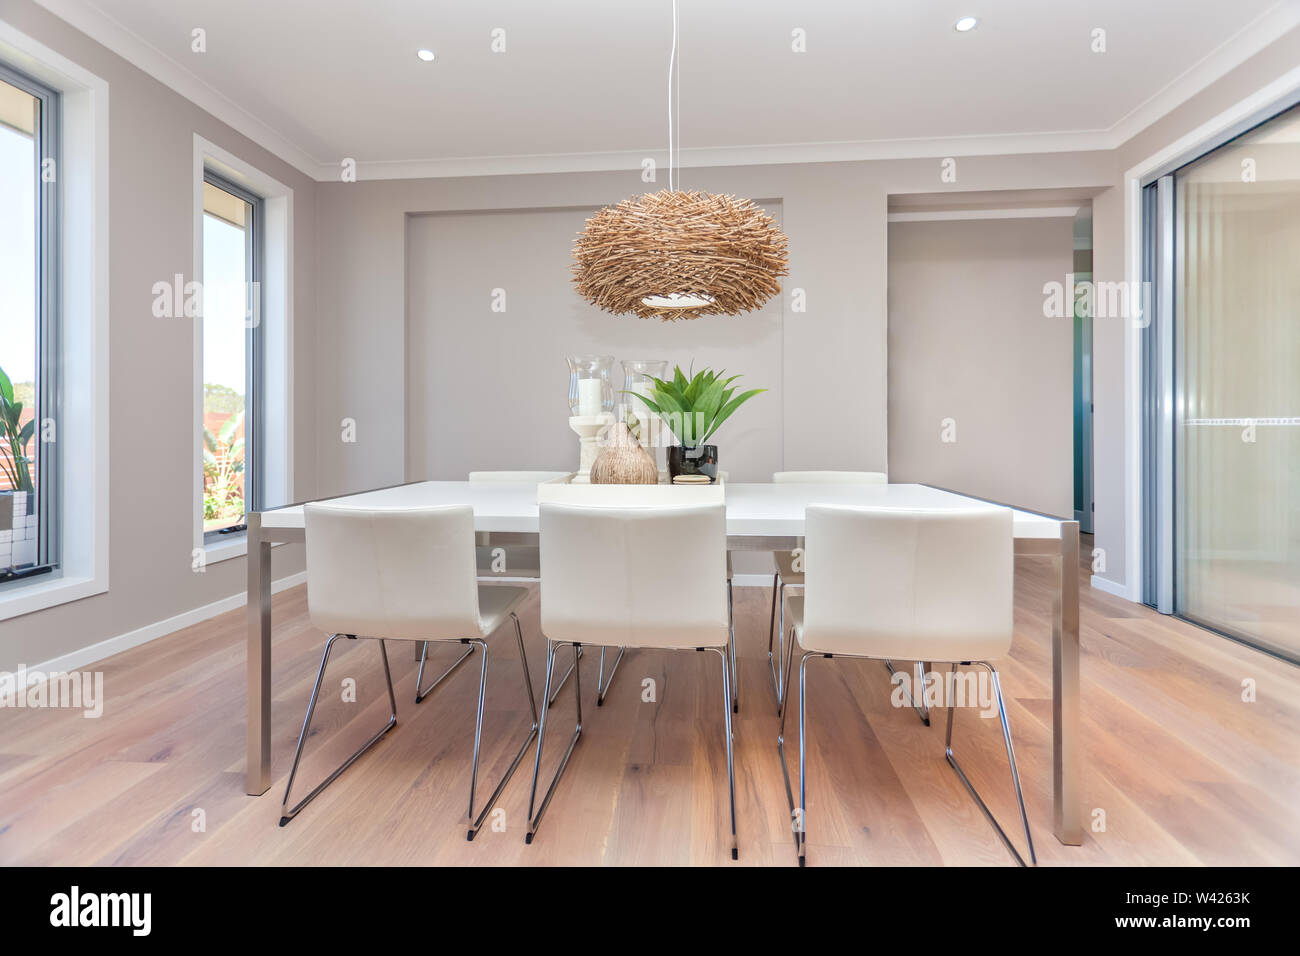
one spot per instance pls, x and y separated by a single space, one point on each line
589 396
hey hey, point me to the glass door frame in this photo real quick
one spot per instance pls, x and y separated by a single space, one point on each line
1157 394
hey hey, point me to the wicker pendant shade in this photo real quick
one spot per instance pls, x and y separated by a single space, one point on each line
725 253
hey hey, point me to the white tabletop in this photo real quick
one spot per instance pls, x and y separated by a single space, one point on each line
752 509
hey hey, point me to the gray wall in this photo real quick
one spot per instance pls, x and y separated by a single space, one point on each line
488 389
968 341
820 362
151 528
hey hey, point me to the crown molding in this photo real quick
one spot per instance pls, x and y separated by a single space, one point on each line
1271 25
1274 23
108 32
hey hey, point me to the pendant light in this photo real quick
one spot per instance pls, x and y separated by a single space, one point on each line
677 254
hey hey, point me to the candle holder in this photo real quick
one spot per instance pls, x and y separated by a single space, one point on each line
591 407
645 425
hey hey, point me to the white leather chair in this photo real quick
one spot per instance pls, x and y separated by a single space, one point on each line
403 574
789 567
638 577
930 585
515 561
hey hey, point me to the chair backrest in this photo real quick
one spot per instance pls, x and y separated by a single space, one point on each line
404 573
635 577
930 585
831 477
534 476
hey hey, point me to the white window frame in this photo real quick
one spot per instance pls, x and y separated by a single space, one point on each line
277 319
83 423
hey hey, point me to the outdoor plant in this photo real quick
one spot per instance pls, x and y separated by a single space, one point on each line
223 471
694 408
15 465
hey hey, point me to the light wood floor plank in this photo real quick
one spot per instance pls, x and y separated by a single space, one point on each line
1185 771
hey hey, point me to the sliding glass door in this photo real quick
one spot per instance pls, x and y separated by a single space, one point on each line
1236 387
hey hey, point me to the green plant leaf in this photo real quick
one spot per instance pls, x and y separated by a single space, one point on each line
652 406
708 405
6 387
730 407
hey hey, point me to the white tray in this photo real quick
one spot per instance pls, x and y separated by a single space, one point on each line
565 491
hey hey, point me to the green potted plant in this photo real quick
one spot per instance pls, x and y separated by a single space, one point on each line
18 500
693 409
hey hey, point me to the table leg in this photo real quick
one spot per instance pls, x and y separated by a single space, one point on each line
1067 776
259 658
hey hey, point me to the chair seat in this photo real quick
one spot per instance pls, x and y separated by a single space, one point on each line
495 603
785 565
935 649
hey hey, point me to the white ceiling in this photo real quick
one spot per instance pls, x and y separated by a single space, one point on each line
582 83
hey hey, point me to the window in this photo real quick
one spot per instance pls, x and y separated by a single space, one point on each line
28 326
232 352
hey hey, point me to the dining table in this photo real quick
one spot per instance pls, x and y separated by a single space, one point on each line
763 517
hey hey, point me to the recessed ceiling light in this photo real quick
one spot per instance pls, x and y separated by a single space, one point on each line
965 24
425 55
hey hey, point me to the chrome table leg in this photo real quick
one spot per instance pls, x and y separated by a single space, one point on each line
258 767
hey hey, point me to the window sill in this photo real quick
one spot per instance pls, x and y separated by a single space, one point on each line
49 590
233 546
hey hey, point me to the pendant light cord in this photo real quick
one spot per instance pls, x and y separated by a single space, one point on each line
674 89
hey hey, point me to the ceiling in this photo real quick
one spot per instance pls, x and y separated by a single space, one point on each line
582 84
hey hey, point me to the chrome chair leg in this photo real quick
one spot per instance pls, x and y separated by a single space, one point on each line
602 685
535 821
577 656
774 667
419 674
478 727
731 650
796 812
918 703
1011 758
477 822
727 704
803 758
287 812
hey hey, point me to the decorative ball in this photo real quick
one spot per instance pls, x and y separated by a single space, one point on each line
624 462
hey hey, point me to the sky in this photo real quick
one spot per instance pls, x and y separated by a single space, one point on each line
223 304
17 255
223 245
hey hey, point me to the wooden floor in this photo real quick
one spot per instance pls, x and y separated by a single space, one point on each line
1182 770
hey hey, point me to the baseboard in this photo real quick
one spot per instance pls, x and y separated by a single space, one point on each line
751 581
84 656
1111 587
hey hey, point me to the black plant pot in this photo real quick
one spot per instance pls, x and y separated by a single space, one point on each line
700 460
